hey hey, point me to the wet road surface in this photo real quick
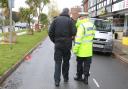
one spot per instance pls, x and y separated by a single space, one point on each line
37 73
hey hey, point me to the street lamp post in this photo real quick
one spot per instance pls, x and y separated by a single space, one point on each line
11 5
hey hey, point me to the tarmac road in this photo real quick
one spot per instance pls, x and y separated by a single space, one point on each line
37 73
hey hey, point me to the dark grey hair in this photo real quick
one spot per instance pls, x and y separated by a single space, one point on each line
65 10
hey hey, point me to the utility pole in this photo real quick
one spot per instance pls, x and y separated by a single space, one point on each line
11 5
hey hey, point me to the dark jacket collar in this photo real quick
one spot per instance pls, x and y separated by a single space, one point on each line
64 14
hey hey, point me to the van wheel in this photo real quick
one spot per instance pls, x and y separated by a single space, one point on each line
109 53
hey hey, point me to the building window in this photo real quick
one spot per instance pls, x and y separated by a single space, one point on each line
97 6
118 22
115 0
94 8
105 3
108 1
89 4
91 9
126 32
100 5
98 1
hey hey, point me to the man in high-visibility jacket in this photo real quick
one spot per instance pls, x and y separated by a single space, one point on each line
83 47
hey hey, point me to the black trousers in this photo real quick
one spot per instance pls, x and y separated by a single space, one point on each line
83 66
61 57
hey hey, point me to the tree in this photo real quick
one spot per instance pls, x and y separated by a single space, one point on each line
33 10
44 19
4 3
53 10
1 23
45 2
38 4
15 16
32 6
5 9
25 14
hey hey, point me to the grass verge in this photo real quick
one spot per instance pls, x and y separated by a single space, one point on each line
9 57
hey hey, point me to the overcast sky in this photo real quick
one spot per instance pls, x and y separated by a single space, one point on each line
18 4
68 3
61 3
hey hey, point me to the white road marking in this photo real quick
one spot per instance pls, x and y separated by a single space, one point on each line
96 83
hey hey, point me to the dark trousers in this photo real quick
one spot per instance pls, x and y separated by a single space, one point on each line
83 66
61 56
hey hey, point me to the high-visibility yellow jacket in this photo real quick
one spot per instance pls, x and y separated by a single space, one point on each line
81 21
84 38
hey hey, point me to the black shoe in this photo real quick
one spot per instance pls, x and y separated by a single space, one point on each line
78 78
57 84
85 80
65 80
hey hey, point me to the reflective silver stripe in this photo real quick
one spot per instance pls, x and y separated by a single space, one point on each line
89 41
77 42
78 36
89 35
85 41
90 28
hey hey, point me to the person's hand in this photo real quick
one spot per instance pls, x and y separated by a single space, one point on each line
73 37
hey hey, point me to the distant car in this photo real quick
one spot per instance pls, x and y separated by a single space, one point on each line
21 25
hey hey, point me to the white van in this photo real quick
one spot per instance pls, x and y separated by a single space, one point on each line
103 40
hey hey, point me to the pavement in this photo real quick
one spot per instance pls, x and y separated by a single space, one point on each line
120 50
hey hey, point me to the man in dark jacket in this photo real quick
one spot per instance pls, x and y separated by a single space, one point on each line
61 32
